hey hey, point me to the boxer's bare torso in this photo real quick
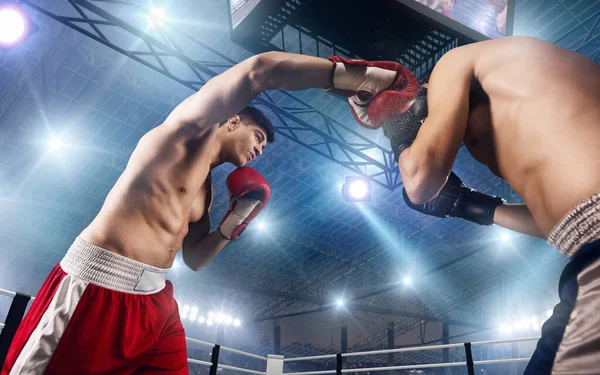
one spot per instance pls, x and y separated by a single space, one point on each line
161 202
165 186
534 120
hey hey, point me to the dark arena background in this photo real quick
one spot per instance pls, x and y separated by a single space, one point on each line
317 273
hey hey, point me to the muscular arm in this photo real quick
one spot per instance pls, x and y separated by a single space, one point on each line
426 164
199 246
518 218
228 93
193 123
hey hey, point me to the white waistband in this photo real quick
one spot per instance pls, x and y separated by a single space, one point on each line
104 268
579 226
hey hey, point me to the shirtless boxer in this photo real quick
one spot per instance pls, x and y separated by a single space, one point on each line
530 112
106 308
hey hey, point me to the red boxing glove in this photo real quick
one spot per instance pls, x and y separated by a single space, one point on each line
249 193
383 91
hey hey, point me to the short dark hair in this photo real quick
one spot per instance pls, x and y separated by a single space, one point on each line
260 119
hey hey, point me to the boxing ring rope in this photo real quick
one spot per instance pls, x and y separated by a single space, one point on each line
8 293
204 343
275 363
411 349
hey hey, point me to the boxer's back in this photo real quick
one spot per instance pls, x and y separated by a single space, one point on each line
545 123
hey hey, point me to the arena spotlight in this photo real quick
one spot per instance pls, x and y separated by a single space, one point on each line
15 25
193 313
407 280
506 328
237 323
356 189
209 322
201 319
157 17
340 302
55 144
185 311
504 237
220 318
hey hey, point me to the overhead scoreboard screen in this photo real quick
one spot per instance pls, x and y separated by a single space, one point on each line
240 9
483 19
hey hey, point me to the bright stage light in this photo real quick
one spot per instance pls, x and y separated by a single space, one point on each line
237 323
15 25
524 324
12 25
209 322
261 225
185 311
201 319
357 189
220 318
407 280
157 17
193 313
340 302
159 13
504 237
55 144
506 328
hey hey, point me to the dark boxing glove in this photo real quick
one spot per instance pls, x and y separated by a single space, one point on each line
402 130
458 200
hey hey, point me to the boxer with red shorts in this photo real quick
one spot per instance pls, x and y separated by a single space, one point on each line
106 308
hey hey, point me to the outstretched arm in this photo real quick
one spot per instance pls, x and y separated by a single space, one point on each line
228 93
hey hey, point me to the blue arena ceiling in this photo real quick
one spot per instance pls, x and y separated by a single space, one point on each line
315 246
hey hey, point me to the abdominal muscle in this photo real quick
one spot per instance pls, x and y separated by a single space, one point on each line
145 216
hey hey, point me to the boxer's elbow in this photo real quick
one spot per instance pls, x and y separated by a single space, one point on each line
421 190
261 69
422 178
189 259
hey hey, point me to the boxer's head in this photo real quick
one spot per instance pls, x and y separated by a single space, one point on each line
245 135
410 120
418 110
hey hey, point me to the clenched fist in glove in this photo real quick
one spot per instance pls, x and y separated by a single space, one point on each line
377 91
249 193
458 200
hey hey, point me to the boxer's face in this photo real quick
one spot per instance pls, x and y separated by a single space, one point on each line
246 141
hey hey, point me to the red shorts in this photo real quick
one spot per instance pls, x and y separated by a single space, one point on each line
100 313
